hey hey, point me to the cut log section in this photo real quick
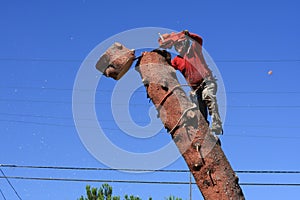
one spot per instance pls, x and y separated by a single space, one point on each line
116 61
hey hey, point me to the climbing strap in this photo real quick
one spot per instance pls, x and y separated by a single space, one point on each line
182 115
168 94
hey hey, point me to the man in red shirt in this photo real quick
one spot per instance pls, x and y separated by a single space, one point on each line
191 63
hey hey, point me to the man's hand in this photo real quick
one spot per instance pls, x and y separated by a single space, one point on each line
186 32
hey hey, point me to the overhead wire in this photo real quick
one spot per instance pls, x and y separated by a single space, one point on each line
66 125
141 170
161 131
143 104
7 179
2 194
136 91
147 131
138 181
112 120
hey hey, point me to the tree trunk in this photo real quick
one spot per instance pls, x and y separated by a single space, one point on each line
189 130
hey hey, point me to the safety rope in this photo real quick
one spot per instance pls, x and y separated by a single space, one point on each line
182 115
184 112
168 93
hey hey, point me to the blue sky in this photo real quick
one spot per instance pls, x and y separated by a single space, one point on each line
43 45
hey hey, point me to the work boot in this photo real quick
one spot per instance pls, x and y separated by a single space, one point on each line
216 126
218 140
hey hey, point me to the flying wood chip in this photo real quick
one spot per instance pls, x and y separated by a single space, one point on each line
270 72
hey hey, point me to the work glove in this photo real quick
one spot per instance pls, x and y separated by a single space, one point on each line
186 32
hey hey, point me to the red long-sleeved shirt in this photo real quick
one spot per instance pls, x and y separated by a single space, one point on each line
192 65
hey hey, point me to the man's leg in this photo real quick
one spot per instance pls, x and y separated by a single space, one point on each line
196 98
209 97
202 106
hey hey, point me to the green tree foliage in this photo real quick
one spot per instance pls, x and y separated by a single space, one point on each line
172 198
105 193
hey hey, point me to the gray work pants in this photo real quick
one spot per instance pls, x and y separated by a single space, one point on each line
207 101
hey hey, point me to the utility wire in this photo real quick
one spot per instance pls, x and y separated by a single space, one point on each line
71 126
6 178
138 182
88 168
143 170
128 121
267 172
257 60
2 194
271 184
162 130
40 60
144 104
148 131
140 90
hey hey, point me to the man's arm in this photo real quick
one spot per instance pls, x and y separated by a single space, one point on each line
195 37
174 63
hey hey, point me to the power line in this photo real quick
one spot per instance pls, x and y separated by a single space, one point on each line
6 178
95 180
67 125
65 118
143 170
144 104
148 131
38 116
267 172
89 168
138 182
271 184
257 60
40 60
2 194
39 123
111 120
139 90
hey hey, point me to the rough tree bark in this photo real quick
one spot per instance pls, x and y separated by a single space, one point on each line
189 130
